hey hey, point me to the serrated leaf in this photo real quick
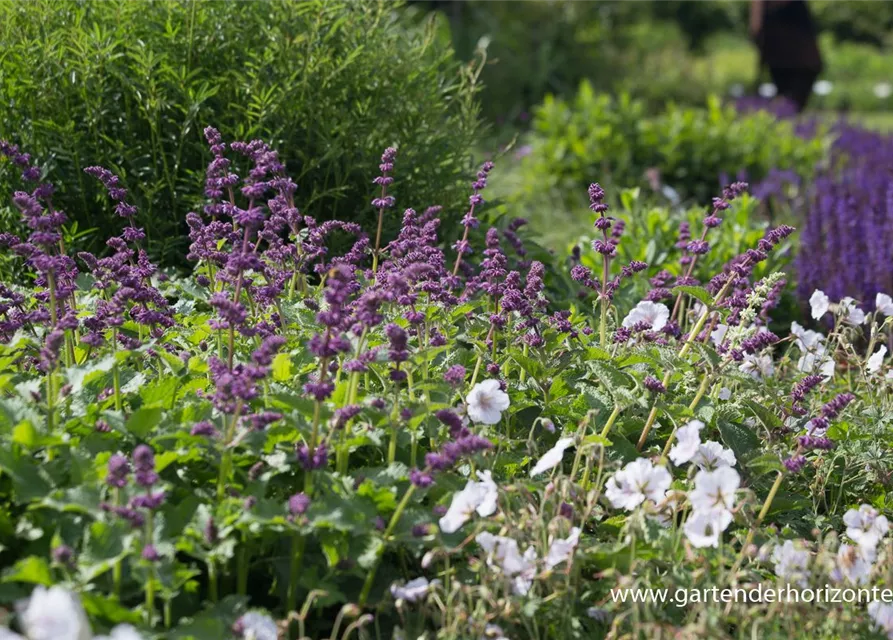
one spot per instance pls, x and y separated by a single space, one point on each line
700 293
143 421
739 438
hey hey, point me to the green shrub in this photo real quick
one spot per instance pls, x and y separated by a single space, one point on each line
613 140
130 85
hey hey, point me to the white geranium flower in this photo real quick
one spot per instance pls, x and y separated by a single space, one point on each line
552 457
819 303
487 507
486 401
414 590
127 632
854 315
865 526
883 90
54 614
688 440
876 360
654 314
503 552
791 562
827 369
476 496
807 339
712 455
884 304
703 528
257 626
854 564
758 366
822 87
719 334
725 393
562 549
715 489
638 481
881 613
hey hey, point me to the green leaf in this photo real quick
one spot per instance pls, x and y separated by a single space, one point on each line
281 367
32 569
696 292
739 438
29 480
143 420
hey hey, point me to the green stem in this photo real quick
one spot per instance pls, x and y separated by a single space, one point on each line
370 577
242 570
213 593
297 556
150 584
611 419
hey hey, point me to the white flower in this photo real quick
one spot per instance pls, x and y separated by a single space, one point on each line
552 457
712 455
476 496
791 562
854 564
414 590
703 528
562 549
882 615
884 304
725 393
822 87
807 339
715 489
767 90
503 553
126 632
654 314
640 480
758 366
487 507
854 315
876 360
6 634
54 614
718 334
827 369
257 626
883 90
486 402
865 527
820 303
688 440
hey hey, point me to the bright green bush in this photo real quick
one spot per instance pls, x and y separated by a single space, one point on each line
130 85
613 140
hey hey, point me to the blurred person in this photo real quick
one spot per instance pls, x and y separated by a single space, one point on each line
786 37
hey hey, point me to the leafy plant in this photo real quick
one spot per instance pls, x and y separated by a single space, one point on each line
130 86
296 441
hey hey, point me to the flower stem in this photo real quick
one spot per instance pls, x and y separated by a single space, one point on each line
370 577
297 556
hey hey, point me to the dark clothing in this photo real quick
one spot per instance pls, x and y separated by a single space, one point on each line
789 48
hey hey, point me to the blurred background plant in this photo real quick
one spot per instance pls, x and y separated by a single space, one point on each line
130 85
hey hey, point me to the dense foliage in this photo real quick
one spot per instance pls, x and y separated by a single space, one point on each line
129 85
399 440
688 149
